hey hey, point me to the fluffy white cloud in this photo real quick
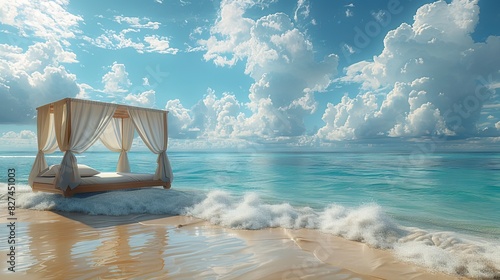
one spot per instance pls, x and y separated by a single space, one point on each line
497 125
118 88
85 90
211 117
341 118
37 56
230 30
281 61
43 19
32 78
36 75
143 99
159 44
116 80
179 120
431 78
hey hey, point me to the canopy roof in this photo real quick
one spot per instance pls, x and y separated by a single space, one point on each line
120 112
73 125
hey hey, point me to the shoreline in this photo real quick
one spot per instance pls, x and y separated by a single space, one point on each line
51 245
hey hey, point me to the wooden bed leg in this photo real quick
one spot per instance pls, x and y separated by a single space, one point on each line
166 185
67 193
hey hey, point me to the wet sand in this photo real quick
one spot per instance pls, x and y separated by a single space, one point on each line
56 245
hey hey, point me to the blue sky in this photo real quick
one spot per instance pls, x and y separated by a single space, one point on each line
246 73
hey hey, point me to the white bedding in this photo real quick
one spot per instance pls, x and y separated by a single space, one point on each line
104 177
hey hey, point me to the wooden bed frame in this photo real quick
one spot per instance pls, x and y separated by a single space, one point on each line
51 188
120 112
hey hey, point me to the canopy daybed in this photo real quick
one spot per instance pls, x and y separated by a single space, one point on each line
73 125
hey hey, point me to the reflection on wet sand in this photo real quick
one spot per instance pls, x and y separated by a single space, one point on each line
75 246
71 249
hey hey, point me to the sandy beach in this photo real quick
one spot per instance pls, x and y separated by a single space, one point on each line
61 245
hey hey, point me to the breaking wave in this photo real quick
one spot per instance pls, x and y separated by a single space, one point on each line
447 252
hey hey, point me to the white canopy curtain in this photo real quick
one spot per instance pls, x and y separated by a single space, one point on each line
77 127
118 137
152 128
46 138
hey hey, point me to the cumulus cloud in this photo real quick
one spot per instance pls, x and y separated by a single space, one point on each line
342 118
159 44
217 117
85 90
32 78
143 99
116 80
211 117
179 120
280 60
37 56
35 75
430 79
118 88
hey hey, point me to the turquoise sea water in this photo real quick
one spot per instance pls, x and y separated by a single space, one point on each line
424 207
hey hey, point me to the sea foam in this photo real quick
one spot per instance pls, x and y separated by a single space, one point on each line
441 251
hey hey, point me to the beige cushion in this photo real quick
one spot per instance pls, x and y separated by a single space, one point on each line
85 171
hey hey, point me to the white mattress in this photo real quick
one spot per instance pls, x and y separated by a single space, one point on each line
104 177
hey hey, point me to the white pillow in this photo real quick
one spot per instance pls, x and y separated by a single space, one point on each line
51 171
85 171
